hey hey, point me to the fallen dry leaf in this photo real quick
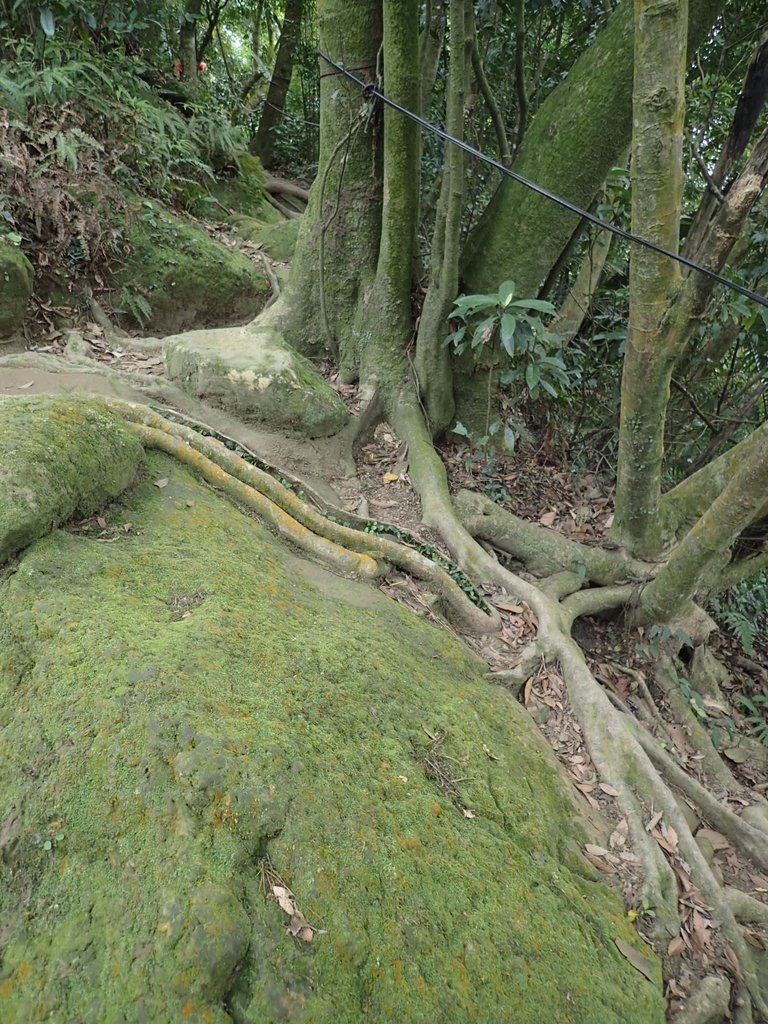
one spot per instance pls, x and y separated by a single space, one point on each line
654 821
161 483
638 961
467 813
548 518
716 839
608 789
596 851
23 387
284 899
676 946
390 478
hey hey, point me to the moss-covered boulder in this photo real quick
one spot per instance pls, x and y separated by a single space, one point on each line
175 276
59 458
195 725
239 193
252 372
16 277
278 240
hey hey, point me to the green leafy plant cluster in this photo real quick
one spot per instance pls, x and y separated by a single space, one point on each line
743 611
499 323
754 707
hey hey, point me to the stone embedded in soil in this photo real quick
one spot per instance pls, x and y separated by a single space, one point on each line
251 372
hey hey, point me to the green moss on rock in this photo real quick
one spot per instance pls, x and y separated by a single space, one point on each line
244 193
58 458
188 278
16 276
253 373
278 240
150 763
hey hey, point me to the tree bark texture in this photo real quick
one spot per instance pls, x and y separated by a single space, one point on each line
577 135
657 184
263 143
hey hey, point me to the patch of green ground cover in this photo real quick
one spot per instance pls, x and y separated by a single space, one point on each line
149 763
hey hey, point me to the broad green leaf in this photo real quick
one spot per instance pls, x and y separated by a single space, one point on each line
510 439
471 303
460 429
456 337
508 328
540 304
532 376
506 293
47 22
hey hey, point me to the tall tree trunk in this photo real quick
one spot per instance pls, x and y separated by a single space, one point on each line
384 320
338 246
187 40
263 143
652 354
432 362
657 185
577 135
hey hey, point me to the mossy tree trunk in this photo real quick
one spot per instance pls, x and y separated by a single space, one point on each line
337 250
657 181
577 135
432 361
263 142
351 279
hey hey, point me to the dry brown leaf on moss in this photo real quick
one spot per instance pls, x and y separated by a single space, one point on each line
636 958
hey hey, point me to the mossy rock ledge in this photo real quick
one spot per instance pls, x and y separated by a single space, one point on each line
16 277
276 240
188 278
253 373
189 711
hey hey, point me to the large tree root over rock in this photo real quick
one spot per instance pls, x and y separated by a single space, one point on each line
647 778
351 550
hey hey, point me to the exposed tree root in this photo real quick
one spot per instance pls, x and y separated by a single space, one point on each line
545 551
711 762
752 842
623 754
339 557
348 549
708 1004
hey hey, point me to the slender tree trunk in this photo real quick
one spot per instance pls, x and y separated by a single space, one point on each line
384 322
430 48
187 37
577 302
432 362
750 105
263 143
652 354
657 181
